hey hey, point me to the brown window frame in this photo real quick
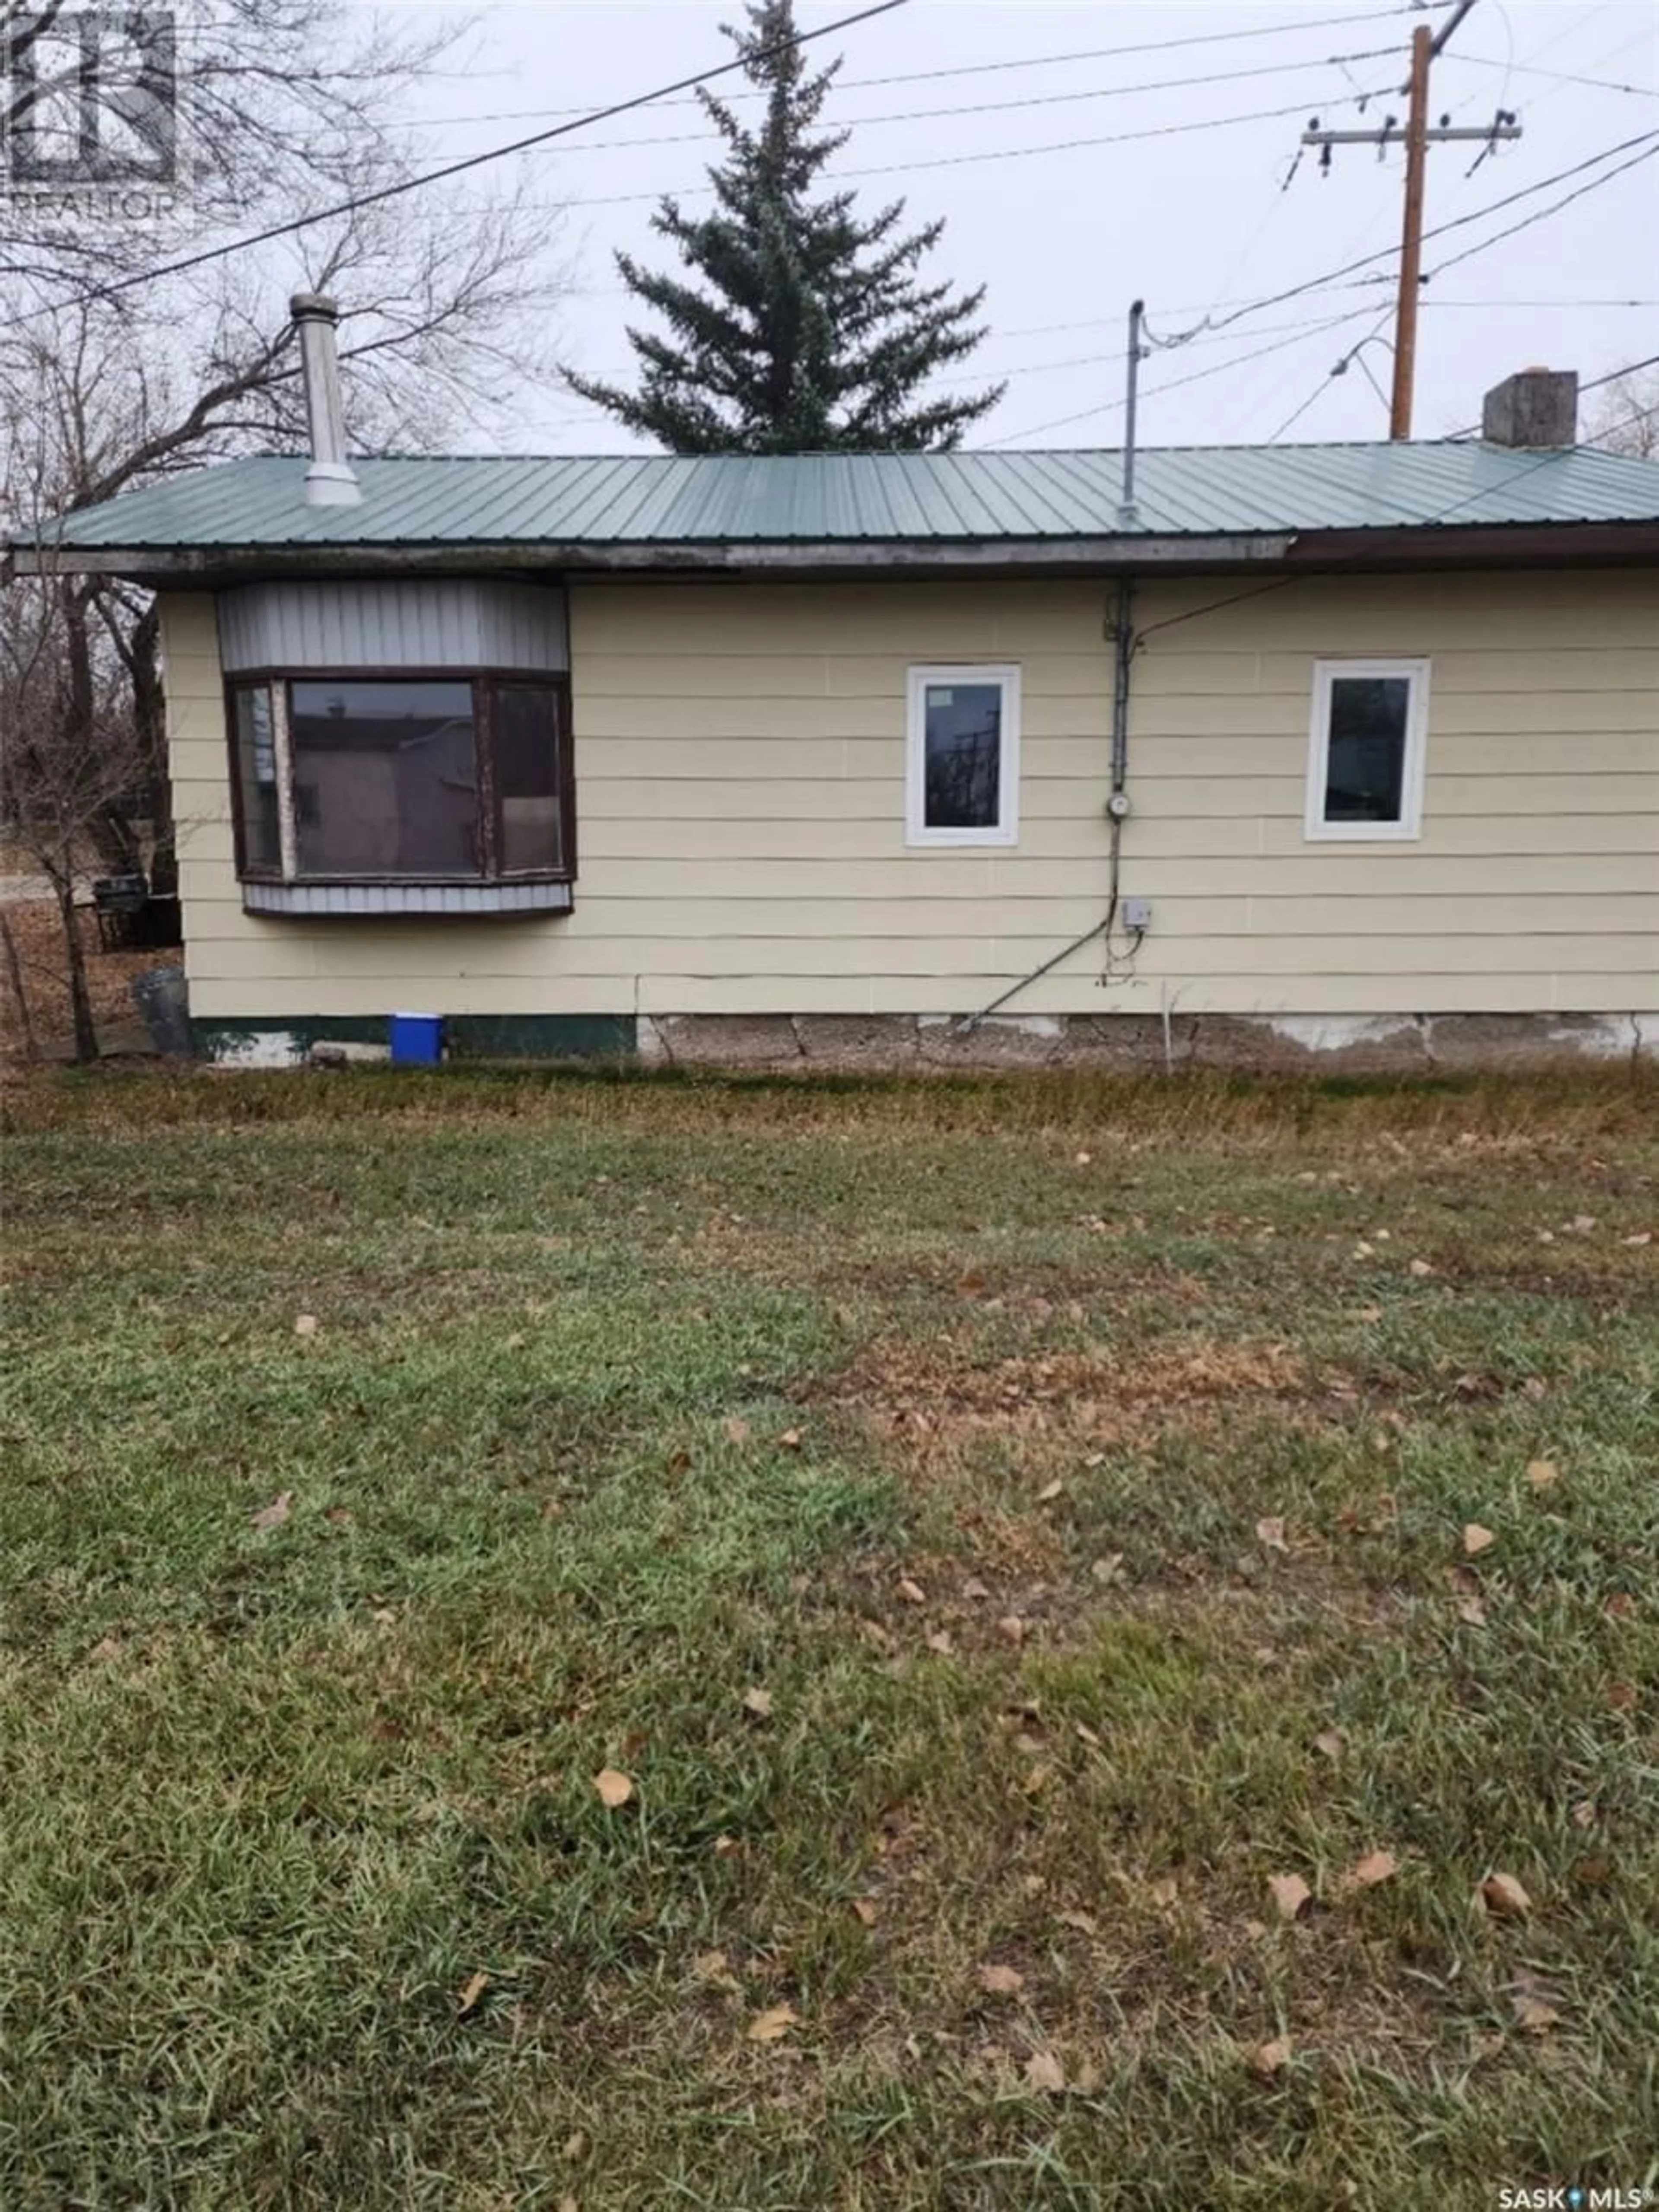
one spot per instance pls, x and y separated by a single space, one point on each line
484 682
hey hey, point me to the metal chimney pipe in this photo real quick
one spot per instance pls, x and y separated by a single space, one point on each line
331 481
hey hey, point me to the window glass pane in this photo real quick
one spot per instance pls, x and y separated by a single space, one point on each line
525 729
385 779
256 769
961 755
1365 767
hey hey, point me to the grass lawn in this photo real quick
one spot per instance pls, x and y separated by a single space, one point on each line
996 1534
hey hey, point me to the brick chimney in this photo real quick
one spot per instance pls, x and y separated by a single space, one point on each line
1534 407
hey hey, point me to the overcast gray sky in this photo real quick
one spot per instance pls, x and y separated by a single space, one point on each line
1073 175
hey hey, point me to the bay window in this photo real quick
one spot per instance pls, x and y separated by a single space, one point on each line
404 779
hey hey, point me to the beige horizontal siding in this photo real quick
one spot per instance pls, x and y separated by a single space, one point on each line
740 805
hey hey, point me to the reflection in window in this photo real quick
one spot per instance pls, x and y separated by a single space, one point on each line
963 741
386 778
1365 758
525 734
255 775
963 748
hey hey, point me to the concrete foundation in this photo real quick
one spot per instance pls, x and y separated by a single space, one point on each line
1386 1044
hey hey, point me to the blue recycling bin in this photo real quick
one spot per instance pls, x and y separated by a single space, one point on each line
417 1040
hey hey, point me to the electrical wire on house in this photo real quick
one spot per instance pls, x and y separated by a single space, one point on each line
1339 368
1127 644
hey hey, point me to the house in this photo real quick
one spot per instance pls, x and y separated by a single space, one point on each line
1346 753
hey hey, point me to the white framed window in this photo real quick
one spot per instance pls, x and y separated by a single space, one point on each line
961 755
1365 749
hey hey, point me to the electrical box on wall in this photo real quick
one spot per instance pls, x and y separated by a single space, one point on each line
1137 913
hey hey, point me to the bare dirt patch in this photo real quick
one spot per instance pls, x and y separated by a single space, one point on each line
943 1390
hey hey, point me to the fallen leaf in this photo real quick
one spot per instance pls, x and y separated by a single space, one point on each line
1164 1891
1368 1313
1085 1734
274 1515
577 2146
1084 1923
1270 2058
1043 2071
1542 1473
1038 1780
1534 2016
338 1517
1642 1236
515 1342
679 1462
1012 1629
1501 1893
999 1981
1621 1606
771 2026
727 1847
1050 1490
1581 1223
1477 1539
1375 1867
304 1324
1420 1268
1621 1696
715 1966
939 1641
106 1647
1471 1611
614 1787
1290 1894
974 1587
1110 1569
971 1283
1270 1533
738 1430
865 1911
912 1593
1583 1813
758 1702
790 1440
1593 1872
474 1988
1084 1158
1332 1742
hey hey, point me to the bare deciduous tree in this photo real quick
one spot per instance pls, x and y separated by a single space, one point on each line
1627 420
107 384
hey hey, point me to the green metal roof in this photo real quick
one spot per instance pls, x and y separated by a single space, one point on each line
931 500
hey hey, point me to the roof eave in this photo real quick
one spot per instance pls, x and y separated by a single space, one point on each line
1418 546
734 556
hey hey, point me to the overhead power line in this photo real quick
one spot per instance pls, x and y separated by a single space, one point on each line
1328 279
1198 376
914 115
491 153
974 69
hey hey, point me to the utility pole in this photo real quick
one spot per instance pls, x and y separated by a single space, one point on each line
1418 138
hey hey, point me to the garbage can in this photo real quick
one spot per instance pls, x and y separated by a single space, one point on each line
163 999
417 1040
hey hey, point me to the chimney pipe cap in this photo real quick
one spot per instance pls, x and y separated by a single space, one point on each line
313 307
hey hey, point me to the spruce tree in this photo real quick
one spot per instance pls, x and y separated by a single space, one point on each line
796 327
